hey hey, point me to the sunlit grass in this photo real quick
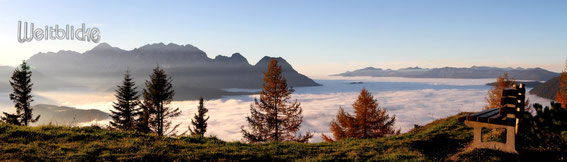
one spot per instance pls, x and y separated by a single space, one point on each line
438 140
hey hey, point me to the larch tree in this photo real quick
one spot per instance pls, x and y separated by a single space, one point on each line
157 95
126 106
273 117
199 121
368 121
561 95
495 93
21 96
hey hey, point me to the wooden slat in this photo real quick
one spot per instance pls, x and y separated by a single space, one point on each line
484 117
462 118
508 109
495 119
475 115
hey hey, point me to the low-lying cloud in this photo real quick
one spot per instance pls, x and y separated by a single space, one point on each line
410 107
227 115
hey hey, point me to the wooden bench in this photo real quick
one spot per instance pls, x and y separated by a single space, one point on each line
506 117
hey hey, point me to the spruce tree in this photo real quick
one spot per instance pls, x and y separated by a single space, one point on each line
158 94
143 121
22 86
274 118
123 117
369 121
200 122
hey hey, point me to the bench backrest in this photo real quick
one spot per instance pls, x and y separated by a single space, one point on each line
513 100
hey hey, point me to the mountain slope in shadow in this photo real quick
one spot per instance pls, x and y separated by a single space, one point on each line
194 73
548 89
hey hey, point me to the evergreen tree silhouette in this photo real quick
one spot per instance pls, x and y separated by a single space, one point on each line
369 120
126 107
11 118
144 116
273 117
21 96
158 94
200 122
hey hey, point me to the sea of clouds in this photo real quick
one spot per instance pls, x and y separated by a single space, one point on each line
412 101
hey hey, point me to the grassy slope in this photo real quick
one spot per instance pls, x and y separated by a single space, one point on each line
435 141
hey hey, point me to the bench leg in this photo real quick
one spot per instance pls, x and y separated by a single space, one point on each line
477 137
509 146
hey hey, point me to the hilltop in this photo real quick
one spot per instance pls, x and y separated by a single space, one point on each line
83 143
442 139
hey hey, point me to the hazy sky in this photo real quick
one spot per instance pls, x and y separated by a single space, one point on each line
317 37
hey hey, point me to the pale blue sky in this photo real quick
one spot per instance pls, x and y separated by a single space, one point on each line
317 37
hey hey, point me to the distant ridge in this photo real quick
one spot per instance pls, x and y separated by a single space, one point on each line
548 89
537 74
194 73
63 115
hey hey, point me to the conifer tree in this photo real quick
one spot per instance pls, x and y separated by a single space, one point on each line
22 86
273 117
126 107
369 120
495 93
158 94
144 116
200 122
11 118
561 95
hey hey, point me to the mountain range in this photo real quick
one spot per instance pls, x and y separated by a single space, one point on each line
473 72
194 74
